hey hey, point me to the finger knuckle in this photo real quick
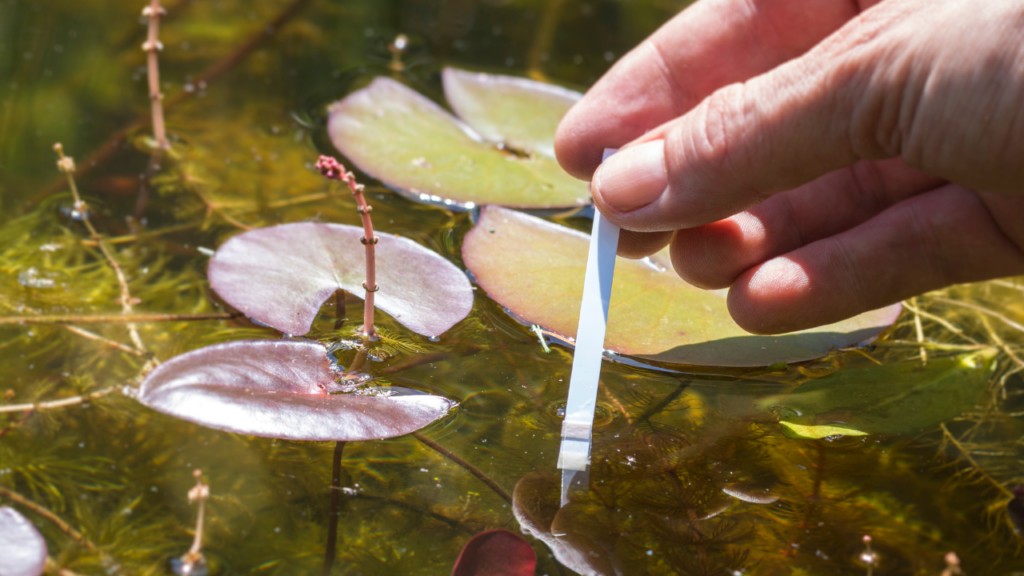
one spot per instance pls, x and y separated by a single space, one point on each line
711 142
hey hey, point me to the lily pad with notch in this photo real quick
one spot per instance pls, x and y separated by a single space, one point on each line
413 145
535 269
514 112
281 389
281 275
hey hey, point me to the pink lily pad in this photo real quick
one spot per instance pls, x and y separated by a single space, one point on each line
279 389
496 553
22 548
281 275
535 269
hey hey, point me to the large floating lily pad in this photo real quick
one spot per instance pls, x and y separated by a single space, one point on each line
535 269
281 275
400 137
22 548
279 389
891 399
517 112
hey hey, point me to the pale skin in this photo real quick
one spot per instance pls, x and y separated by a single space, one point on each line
820 158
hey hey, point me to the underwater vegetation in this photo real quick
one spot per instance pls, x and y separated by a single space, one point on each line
373 385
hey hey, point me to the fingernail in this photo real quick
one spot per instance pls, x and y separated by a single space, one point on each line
633 177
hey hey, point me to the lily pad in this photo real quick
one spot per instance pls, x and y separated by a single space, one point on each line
535 269
496 553
22 548
402 138
280 389
891 399
517 112
281 275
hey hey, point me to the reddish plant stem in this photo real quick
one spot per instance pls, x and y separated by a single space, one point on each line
466 465
116 140
333 170
371 269
332 526
152 46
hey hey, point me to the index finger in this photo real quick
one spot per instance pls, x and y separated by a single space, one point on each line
709 45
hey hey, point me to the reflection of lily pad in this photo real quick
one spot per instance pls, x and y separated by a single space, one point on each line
520 113
890 399
410 143
564 529
535 269
280 389
282 274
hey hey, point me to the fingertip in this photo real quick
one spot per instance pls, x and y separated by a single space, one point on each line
770 298
573 148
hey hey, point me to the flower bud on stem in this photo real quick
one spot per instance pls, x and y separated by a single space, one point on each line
333 170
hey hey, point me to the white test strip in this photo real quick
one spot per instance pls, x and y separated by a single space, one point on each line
574 453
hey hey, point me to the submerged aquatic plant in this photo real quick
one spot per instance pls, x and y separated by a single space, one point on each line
892 399
702 489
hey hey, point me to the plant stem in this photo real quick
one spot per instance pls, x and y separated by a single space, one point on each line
115 318
333 170
982 310
58 403
332 522
113 144
469 467
56 520
370 241
919 330
199 493
544 39
67 165
152 46
107 341
339 308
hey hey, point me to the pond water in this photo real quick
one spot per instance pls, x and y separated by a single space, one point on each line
692 473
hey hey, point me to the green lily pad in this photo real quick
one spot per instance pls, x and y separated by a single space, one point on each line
517 112
535 269
405 140
891 399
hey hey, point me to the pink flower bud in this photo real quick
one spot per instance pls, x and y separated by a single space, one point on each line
331 168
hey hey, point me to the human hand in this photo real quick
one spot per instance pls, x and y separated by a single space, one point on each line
820 157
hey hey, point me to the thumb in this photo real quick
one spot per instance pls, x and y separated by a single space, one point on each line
745 142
